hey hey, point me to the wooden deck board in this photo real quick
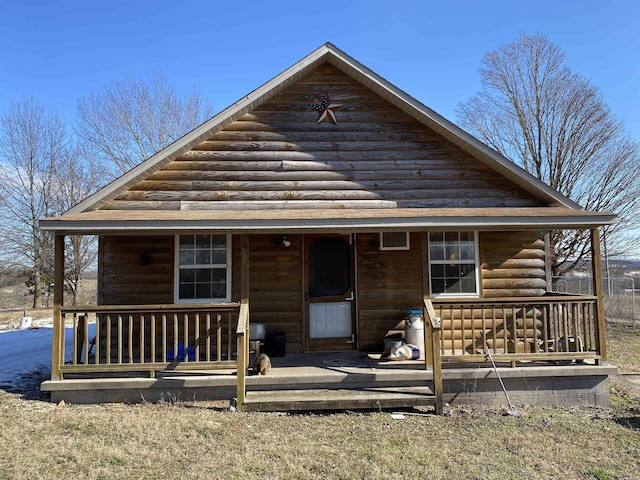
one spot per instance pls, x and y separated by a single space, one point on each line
338 399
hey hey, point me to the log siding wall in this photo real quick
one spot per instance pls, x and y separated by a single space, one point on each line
389 283
513 264
277 156
135 270
275 285
139 270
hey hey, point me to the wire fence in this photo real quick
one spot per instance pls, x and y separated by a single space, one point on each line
619 295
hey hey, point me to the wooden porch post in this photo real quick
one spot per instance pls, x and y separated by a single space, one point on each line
243 341
57 347
244 269
244 285
428 333
596 266
432 332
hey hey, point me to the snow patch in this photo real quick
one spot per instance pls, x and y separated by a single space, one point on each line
23 352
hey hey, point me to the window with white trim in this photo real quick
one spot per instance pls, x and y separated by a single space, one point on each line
453 263
203 268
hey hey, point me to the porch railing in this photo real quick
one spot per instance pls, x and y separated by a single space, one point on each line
242 332
433 329
149 338
552 327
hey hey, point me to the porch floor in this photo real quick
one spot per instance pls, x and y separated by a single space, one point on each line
342 380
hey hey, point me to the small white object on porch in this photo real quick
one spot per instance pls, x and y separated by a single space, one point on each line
330 320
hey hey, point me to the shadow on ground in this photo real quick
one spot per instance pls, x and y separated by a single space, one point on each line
28 385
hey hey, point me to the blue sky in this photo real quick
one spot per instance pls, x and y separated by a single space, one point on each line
59 51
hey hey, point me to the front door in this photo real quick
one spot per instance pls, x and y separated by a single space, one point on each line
330 293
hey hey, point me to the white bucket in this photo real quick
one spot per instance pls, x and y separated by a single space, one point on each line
257 331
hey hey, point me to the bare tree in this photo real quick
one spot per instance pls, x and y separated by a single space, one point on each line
555 124
32 144
128 120
76 180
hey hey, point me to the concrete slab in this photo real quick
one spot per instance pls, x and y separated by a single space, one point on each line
463 383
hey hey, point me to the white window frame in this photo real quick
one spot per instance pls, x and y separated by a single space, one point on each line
475 262
406 246
176 273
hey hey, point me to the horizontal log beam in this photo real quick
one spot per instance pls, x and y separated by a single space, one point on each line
380 144
312 184
509 273
189 168
248 124
313 136
452 158
345 116
395 195
286 205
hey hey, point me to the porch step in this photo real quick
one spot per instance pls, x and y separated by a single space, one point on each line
338 399
317 379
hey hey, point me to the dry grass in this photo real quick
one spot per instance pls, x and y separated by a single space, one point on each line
205 440
41 440
623 343
11 318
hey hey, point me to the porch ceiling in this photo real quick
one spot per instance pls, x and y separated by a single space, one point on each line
348 220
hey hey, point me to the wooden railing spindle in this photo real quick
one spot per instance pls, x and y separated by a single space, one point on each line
130 338
152 356
208 336
196 336
97 342
528 328
141 342
185 330
219 337
164 337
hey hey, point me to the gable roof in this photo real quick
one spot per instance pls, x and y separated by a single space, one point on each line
331 54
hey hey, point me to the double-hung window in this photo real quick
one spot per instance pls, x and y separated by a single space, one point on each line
203 272
453 263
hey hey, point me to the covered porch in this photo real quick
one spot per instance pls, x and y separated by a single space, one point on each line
549 349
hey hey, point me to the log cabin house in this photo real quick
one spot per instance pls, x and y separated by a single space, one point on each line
322 207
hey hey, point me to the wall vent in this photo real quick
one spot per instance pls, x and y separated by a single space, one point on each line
394 241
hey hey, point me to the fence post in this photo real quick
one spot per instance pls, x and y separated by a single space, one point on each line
633 303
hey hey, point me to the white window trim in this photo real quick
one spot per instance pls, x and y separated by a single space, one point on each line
176 273
406 246
477 270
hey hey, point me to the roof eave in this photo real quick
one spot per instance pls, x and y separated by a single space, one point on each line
480 223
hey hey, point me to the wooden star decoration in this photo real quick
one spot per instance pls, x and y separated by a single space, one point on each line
326 110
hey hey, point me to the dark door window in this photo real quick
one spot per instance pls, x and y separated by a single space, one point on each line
329 272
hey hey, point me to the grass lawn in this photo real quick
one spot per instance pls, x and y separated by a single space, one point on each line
193 440
624 347
11 318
